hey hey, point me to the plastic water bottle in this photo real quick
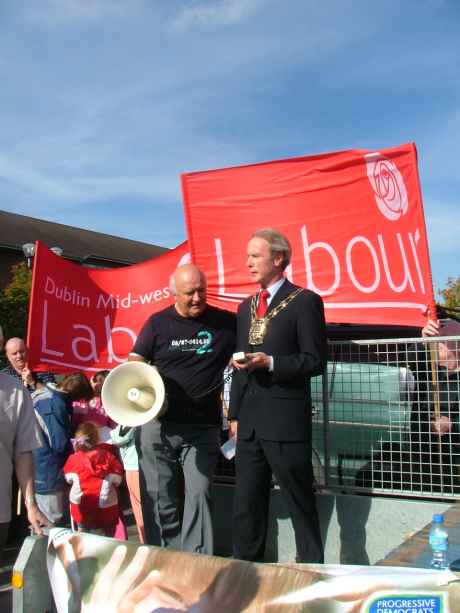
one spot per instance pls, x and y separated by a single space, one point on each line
438 543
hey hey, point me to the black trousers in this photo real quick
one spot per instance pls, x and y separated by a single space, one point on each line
3 537
290 462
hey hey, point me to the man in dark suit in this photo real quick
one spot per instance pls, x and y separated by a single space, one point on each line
270 402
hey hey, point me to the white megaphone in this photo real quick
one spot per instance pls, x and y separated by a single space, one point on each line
133 394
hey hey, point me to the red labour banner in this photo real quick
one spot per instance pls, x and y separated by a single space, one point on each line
88 319
354 219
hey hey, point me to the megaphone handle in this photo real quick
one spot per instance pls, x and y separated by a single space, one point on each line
143 398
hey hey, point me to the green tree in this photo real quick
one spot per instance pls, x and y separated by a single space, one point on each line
14 302
451 294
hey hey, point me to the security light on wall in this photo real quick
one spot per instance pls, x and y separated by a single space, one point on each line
28 250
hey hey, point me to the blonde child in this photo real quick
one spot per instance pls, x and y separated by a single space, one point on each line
94 473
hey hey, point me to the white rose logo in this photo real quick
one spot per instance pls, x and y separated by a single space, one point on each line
388 185
185 259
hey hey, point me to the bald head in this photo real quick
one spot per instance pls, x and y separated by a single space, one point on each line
16 353
188 284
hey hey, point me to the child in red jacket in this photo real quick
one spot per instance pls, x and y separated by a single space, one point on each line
94 472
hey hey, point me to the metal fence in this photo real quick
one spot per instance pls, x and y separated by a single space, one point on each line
386 418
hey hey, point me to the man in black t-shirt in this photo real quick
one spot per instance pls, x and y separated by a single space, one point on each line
190 343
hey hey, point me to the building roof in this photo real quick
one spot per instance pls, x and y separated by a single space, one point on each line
81 245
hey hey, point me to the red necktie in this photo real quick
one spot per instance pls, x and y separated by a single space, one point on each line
263 303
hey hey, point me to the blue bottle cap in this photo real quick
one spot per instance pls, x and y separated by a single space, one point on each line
438 518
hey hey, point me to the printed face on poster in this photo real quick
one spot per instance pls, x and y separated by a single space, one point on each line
354 219
90 573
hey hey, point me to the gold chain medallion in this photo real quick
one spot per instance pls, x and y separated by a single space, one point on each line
259 326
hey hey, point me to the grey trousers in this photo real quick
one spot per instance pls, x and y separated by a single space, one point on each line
54 506
176 465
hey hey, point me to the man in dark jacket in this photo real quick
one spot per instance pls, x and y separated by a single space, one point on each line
435 418
16 354
282 333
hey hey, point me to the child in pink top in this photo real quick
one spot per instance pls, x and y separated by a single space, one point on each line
92 410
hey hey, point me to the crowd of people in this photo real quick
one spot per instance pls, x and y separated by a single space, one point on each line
70 457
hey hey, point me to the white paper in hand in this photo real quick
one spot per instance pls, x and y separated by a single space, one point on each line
228 449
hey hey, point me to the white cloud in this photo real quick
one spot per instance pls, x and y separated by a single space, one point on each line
216 14
69 188
23 178
57 12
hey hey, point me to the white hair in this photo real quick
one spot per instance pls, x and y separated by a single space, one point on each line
278 244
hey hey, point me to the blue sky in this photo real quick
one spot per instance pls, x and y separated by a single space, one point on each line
105 102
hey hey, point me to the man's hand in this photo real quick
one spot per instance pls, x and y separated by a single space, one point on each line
36 518
233 428
431 329
27 377
254 361
116 591
442 425
25 474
